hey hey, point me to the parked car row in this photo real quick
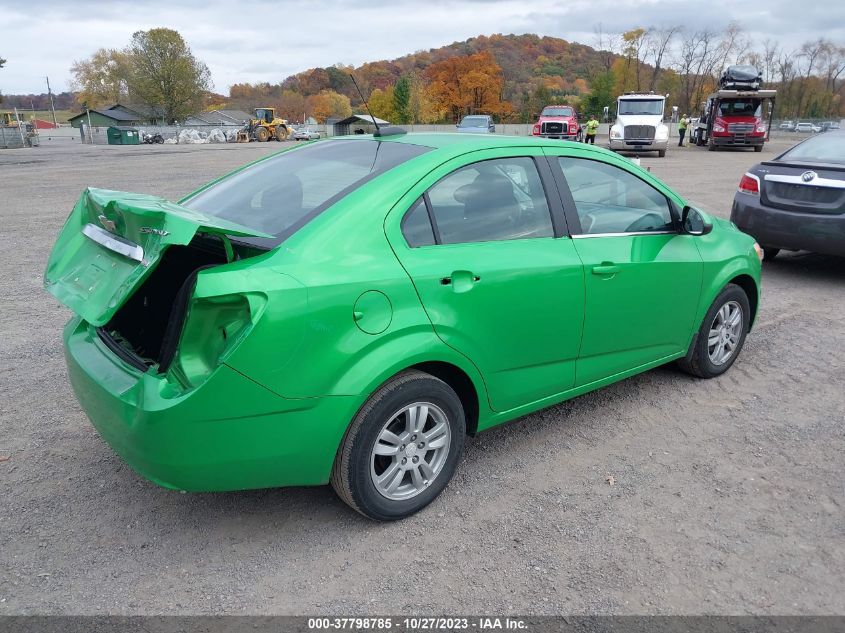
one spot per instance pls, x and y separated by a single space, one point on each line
808 127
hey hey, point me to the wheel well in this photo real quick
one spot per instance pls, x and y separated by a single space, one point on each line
461 383
750 287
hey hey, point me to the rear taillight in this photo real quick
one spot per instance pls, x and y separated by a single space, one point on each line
536 130
749 183
213 328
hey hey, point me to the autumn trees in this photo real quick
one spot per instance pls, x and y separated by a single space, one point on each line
157 69
468 84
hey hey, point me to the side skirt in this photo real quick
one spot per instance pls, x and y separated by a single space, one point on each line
511 414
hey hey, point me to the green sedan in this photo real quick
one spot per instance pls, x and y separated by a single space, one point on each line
347 311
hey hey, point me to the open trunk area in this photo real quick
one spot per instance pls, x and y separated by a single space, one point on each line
146 329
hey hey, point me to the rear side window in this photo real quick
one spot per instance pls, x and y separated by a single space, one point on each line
611 200
492 200
416 226
280 194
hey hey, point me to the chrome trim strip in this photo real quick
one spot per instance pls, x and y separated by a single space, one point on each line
815 182
113 242
582 235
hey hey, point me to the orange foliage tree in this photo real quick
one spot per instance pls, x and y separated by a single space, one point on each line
468 84
329 104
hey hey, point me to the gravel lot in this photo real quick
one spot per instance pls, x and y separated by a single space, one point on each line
728 494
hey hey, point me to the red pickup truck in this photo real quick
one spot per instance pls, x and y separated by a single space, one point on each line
558 121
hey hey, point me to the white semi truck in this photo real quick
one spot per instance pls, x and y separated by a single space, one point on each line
639 124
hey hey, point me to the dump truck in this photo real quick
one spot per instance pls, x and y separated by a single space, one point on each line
265 126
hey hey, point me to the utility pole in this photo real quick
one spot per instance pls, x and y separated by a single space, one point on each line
90 131
52 108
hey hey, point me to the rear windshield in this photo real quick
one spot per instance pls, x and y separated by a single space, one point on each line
282 193
826 148
554 111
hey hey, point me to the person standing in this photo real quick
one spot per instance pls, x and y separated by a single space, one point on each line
682 129
592 128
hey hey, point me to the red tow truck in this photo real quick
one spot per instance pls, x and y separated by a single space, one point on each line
558 121
735 118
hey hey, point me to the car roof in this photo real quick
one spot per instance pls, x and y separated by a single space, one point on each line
469 142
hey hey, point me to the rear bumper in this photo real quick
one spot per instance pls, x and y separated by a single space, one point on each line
789 230
622 145
228 434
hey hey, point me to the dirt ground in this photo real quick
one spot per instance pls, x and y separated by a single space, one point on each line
728 494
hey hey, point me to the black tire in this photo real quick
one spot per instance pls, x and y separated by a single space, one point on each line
758 148
698 361
661 153
281 133
262 134
711 146
351 475
769 253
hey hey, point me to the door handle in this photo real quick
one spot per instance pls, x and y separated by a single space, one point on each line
460 280
606 269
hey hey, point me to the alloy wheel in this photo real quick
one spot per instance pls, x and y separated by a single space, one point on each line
725 333
410 451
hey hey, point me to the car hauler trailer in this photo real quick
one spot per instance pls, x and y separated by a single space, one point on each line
735 118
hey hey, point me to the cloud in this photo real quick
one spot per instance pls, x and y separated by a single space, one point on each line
267 41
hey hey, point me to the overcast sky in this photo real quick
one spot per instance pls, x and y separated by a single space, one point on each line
267 41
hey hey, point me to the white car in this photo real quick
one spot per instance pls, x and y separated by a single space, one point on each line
305 134
806 126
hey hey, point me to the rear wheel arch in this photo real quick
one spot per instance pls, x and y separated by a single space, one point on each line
462 385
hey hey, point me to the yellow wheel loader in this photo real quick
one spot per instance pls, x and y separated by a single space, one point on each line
266 125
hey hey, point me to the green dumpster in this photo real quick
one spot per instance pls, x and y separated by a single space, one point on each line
122 135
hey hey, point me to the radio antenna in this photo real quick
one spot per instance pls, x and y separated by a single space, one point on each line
355 83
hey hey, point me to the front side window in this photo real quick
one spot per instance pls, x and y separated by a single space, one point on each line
492 200
609 199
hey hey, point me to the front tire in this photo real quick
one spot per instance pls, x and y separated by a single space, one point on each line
402 448
661 153
721 336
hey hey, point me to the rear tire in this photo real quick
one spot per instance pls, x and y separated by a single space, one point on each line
769 253
721 335
402 448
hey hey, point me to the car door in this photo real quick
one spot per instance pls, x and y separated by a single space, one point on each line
642 275
487 251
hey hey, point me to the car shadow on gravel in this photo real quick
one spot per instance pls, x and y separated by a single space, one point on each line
802 265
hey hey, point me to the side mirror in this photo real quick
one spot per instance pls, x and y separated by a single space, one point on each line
693 222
